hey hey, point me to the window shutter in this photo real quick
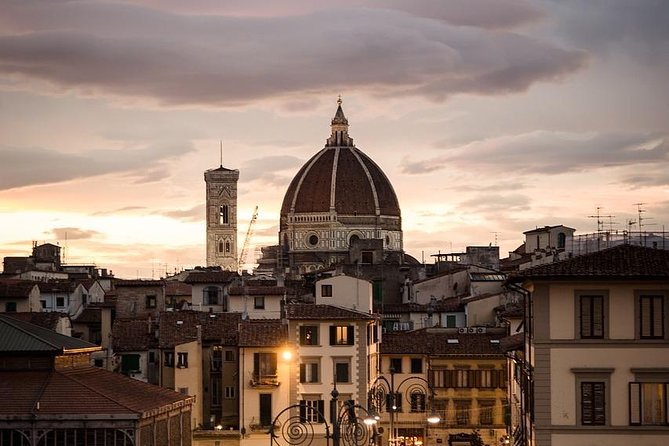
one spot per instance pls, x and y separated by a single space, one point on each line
321 409
314 373
586 317
599 414
333 335
658 317
256 363
587 403
303 335
303 411
273 363
597 316
303 373
350 333
635 403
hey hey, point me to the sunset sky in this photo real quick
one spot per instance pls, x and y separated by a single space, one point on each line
490 117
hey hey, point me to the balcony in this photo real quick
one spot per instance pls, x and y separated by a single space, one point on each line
262 381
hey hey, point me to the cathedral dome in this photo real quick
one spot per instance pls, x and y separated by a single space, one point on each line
341 179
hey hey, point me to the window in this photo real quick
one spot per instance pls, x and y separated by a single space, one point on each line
367 257
593 403
416 365
394 402
486 412
220 246
259 302
227 246
99 362
485 378
311 411
216 358
169 359
451 321
60 302
396 365
151 301
229 392
264 365
309 335
210 295
182 360
229 356
216 391
651 316
224 215
591 316
309 371
10 307
43 303
341 335
313 240
265 409
342 370
562 240
462 409
417 399
648 403
461 378
152 357
129 363
326 290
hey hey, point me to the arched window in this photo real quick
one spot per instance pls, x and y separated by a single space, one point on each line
227 246
220 246
224 215
562 240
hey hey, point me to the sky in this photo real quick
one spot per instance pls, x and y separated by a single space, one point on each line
489 117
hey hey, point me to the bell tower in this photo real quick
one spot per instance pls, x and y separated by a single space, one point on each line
221 184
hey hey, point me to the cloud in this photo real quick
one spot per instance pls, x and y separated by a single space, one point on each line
549 153
124 50
267 169
493 203
196 213
75 234
32 166
119 210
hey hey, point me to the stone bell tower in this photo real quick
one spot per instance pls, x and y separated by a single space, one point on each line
221 186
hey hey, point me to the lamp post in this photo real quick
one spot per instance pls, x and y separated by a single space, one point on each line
296 425
384 392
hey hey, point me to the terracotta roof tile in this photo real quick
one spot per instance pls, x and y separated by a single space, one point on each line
137 283
44 319
513 342
436 342
321 311
173 288
16 288
622 261
257 290
266 334
132 335
211 277
219 327
87 390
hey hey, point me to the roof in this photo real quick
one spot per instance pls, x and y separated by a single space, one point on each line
87 390
133 335
619 262
360 187
173 288
90 315
547 228
268 333
18 336
257 290
430 341
137 283
16 288
44 319
322 311
452 304
179 327
513 342
57 286
210 277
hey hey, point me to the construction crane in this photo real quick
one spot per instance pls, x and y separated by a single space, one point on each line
245 247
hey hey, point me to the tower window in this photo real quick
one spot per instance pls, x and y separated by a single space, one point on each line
224 216
220 246
227 246
313 240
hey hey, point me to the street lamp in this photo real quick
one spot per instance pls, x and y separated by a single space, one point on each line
385 393
296 424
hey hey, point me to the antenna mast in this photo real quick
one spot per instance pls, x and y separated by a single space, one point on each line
600 222
221 151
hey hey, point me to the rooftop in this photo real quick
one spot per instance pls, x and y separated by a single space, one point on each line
321 311
431 341
18 336
619 262
268 333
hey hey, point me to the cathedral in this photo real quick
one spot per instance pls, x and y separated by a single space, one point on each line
340 208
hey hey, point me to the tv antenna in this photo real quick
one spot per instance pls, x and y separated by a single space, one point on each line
641 219
496 234
600 222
